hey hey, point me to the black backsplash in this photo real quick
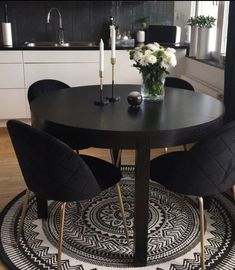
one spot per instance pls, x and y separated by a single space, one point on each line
82 20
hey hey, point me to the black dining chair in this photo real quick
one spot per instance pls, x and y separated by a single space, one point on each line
178 83
46 86
181 84
53 171
208 168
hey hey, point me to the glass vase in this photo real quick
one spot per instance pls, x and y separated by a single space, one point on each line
152 88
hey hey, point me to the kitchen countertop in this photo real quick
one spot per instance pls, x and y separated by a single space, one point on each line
21 46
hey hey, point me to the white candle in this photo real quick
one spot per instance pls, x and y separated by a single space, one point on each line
101 55
113 44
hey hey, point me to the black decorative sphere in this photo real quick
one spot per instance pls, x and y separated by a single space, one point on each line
134 98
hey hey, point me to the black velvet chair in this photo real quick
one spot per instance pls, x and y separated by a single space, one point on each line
53 171
41 87
178 83
44 86
181 84
208 168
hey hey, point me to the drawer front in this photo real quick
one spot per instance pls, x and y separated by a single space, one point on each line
73 74
61 56
11 57
11 76
12 103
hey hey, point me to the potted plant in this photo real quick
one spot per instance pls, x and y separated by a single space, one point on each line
194 36
204 23
140 36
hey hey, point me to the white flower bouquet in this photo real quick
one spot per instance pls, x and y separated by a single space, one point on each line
153 61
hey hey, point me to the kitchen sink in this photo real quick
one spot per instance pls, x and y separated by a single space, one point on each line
69 44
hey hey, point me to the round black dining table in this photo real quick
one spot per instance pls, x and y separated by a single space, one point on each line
182 117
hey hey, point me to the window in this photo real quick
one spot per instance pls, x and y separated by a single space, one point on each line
218 37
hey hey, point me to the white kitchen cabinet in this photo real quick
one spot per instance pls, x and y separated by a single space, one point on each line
61 56
12 87
72 67
74 74
11 76
124 72
11 57
12 103
75 68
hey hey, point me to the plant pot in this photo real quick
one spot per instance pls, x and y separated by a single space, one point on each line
203 43
140 36
152 88
193 41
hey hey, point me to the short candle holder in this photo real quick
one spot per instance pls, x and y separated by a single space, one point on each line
113 98
101 102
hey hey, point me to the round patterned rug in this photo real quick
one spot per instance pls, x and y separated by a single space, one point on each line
94 237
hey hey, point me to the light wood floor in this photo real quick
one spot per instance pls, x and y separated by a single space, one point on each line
11 180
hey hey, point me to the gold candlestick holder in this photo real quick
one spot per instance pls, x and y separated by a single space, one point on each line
101 102
113 98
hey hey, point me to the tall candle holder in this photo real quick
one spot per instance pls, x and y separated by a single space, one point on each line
101 102
113 98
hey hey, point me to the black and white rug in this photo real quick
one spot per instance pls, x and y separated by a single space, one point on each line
94 237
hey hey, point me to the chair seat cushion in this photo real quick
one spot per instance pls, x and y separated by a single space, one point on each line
105 173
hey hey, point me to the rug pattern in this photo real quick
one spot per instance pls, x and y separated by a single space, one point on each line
94 237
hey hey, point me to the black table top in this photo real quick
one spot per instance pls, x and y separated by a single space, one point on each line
182 117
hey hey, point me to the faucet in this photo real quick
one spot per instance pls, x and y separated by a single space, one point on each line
61 29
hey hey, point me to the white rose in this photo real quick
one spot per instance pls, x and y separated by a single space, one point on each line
144 61
173 60
156 45
152 47
147 52
170 50
169 59
151 59
138 56
164 64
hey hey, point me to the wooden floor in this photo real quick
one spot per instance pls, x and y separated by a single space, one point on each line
11 180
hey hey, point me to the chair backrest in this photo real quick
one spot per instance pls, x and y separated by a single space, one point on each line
44 86
178 83
50 168
210 165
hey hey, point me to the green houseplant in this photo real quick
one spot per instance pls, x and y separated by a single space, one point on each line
204 24
200 35
140 35
194 34
205 21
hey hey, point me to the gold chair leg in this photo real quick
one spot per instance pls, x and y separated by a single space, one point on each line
60 242
118 161
25 205
165 150
234 192
122 212
202 231
185 147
